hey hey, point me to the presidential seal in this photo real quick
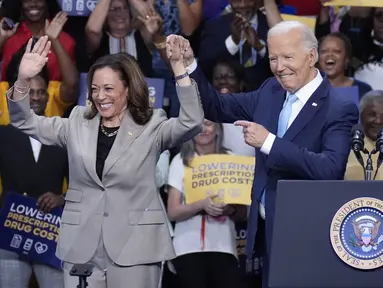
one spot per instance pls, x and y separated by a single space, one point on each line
357 234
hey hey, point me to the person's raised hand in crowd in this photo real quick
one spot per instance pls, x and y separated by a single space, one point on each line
48 201
252 36
33 60
5 31
249 32
236 28
54 28
153 23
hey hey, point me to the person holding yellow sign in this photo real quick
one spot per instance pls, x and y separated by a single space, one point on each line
204 235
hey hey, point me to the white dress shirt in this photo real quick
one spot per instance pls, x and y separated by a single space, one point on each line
36 147
303 96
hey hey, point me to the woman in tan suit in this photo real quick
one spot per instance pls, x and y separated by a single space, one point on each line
113 217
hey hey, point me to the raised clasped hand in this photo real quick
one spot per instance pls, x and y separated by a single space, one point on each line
34 59
255 135
176 46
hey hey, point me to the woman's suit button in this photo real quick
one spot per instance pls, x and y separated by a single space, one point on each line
102 189
106 214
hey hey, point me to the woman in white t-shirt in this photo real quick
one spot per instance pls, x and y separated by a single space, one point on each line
204 233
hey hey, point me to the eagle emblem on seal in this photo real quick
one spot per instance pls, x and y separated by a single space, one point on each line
366 230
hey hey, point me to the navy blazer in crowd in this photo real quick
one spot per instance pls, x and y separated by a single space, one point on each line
213 48
315 147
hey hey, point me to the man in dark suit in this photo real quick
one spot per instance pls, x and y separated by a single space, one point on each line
298 124
36 170
240 35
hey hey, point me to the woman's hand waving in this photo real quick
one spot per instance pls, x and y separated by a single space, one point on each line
34 59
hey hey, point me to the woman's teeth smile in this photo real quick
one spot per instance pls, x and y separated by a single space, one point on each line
105 106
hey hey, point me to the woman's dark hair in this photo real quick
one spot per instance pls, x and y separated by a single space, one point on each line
12 71
346 42
12 9
132 77
188 148
239 71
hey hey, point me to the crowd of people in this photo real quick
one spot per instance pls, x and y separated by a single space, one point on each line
121 175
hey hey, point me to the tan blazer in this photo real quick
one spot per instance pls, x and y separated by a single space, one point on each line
124 208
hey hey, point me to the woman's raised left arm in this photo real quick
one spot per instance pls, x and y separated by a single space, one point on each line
190 120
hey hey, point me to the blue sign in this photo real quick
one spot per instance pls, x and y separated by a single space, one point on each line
241 228
26 230
156 88
350 92
246 268
156 91
78 7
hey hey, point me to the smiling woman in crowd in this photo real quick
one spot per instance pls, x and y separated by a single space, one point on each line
110 29
34 17
335 52
371 117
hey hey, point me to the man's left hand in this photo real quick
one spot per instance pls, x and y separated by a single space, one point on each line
255 134
48 201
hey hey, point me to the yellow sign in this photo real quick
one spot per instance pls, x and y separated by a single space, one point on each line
356 233
308 21
227 176
356 3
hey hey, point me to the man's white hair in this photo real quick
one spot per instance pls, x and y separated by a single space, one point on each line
308 36
369 98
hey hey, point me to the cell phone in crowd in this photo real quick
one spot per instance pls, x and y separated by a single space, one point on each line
8 23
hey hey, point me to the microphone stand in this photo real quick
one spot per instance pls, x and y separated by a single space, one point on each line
369 168
82 271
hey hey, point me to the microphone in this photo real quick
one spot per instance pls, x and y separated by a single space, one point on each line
357 145
379 148
379 142
357 138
